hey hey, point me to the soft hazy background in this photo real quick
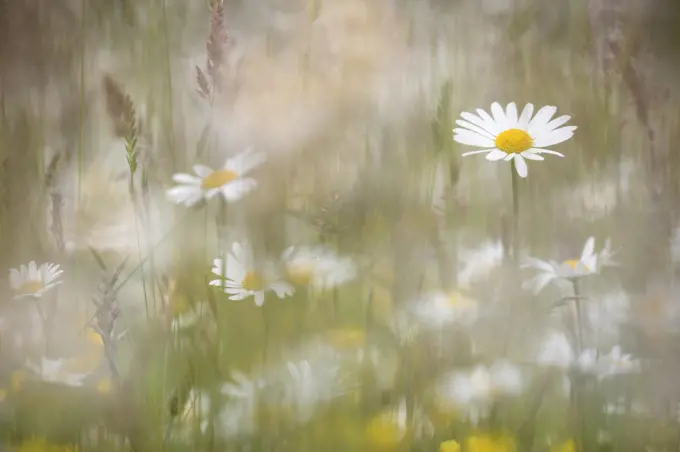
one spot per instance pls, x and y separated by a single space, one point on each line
353 102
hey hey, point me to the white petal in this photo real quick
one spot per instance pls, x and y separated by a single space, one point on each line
541 119
521 166
183 178
488 126
545 151
496 154
238 188
539 264
588 249
282 289
464 136
491 124
475 129
510 156
202 170
557 122
499 115
531 156
259 298
245 162
32 270
15 279
554 137
186 195
525 117
511 114
465 154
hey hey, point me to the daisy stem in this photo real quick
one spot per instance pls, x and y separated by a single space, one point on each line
265 323
515 215
576 384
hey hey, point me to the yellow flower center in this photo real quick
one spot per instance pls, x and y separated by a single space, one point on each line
31 287
514 141
300 274
252 281
217 179
104 386
573 263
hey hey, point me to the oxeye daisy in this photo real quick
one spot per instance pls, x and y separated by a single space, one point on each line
244 279
589 263
230 181
505 135
34 281
318 266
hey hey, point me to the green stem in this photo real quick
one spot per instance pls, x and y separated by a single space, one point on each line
576 381
515 215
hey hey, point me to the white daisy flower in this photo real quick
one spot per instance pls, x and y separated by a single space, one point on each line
439 309
244 280
238 415
308 385
34 281
318 266
589 263
480 261
556 351
230 181
509 136
605 366
56 371
475 390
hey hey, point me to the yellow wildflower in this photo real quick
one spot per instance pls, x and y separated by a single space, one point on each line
40 445
567 446
487 443
449 446
17 379
383 433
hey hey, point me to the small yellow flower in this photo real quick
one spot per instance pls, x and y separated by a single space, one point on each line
449 446
567 446
384 433
40 445
488 443
17 379
104 386
347 338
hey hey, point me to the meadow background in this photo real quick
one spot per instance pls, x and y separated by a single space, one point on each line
353 103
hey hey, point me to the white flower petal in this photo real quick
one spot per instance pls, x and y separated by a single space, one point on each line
259 298
487 126
555 137
238 188
465 154
531 156
499 116
496 154
545 151
541 119
491 124
475 129
202 170
521 166
464 136
183 178
511 114
525 117
557 122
